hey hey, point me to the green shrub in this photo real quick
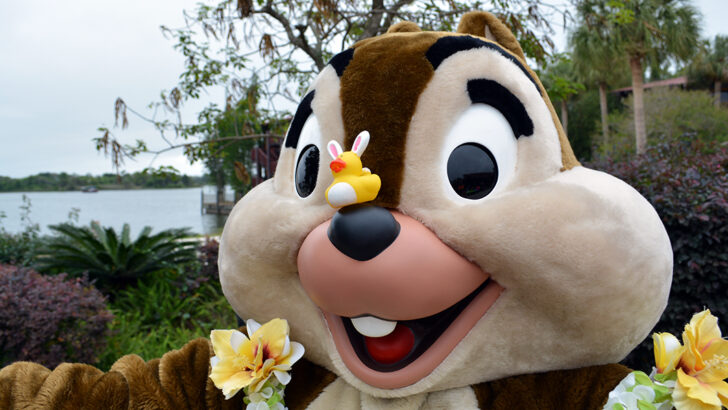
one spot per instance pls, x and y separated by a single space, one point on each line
158 316
20 248
670 115
688 186
115 261
49 319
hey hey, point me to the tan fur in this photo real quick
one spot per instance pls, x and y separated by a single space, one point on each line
548 237
476 23
340 395
590 281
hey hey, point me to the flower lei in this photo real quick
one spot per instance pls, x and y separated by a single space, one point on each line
258 365
687 376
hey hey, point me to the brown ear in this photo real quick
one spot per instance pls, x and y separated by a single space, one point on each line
483 24
404 27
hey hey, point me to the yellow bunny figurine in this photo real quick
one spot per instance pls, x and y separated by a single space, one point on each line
352 184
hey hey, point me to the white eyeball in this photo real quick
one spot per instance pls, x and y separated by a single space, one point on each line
479 154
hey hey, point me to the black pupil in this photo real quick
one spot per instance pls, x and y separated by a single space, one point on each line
307 170
472 171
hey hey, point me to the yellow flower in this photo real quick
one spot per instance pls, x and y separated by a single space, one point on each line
667 351
703 366
240 362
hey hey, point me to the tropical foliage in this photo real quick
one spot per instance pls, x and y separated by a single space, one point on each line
670 115
114 260
711 65
560 82
645 31
596 58
157 317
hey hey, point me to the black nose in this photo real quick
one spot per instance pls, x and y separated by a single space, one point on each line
362 232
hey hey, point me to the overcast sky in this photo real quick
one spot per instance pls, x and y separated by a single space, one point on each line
63 63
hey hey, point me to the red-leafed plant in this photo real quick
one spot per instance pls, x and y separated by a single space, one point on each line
50 319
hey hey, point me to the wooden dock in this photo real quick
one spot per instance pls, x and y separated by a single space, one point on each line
209 204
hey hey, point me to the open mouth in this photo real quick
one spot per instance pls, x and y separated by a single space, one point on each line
407 340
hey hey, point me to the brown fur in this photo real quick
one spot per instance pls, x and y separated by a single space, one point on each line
179 380
366 93
404 27
475 22
368 102
585 388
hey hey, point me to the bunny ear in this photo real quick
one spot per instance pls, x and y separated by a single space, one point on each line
334 149
361 142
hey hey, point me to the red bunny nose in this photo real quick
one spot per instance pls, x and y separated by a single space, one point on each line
337 165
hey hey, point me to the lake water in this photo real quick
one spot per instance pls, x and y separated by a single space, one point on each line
158 208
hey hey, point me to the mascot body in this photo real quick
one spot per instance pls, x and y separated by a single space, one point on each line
490 271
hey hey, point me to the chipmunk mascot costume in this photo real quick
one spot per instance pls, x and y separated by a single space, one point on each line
456 257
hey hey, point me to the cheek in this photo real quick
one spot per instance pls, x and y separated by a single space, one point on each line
258 264
550 247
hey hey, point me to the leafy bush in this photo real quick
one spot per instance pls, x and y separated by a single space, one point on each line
157 316
20 248
115 261
49 319
687 184
670 115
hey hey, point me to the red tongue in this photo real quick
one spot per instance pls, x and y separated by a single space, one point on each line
393 347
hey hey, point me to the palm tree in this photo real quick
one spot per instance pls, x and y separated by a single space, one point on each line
596 58
642 29
113 260
711 64
668 26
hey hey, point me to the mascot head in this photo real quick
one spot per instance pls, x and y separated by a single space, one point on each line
488 250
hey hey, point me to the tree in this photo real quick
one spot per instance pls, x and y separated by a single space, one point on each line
560 83
642 29
711 64
293 40
596 58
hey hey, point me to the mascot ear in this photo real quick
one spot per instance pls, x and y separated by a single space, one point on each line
482 24
404 27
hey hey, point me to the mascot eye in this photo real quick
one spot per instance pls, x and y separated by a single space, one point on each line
472 171
480 152
307 158
307 170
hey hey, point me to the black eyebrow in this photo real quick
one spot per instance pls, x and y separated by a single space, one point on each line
492 93
302 113
341 60
449 45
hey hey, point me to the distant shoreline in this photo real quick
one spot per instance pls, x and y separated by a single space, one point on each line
102 188
64 182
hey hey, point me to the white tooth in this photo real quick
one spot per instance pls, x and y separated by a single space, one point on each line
372 326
